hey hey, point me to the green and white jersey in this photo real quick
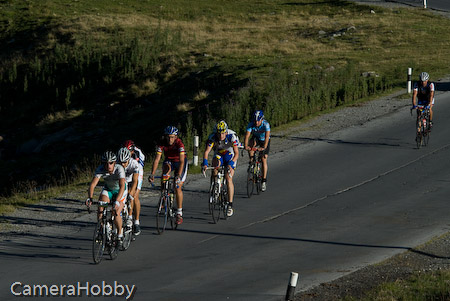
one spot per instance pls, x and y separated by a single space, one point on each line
111 180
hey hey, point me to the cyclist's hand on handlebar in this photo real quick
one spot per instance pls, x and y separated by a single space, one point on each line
88 202
151 178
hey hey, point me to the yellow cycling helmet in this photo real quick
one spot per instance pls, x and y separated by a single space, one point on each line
221 127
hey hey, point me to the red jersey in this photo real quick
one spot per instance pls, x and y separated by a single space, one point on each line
171 152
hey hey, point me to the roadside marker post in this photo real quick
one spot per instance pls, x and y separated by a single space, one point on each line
291 286
409 80
424 3
196 142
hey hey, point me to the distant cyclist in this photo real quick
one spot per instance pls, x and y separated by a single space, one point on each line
225 143
115 188
259 129
423 94
132 173
138 156
175 159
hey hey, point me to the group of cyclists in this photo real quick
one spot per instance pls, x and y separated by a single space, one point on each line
123 171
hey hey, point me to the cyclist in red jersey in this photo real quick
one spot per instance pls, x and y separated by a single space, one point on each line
174 159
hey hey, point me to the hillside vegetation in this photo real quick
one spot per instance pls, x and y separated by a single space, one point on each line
78 77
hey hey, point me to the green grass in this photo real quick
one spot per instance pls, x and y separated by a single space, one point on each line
108 71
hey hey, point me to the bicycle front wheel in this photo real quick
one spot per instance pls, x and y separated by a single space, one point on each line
112 241
162 215
215 204
127 234
250 181
98 242
224 201
258 178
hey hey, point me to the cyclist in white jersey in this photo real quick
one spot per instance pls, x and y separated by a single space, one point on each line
115 187
138 156
132 172
259 129
225 144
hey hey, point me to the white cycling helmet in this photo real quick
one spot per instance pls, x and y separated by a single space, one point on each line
109 156
424 76
124 154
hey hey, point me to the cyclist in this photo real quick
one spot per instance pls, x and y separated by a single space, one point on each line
132 172
138 156
175 159
259 128
225 143
423 94
115 188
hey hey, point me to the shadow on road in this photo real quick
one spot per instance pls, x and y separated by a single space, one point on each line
345 244
339 141
442 86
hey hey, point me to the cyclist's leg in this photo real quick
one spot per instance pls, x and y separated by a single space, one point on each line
105 196
229 176
178 187
118 207
252 144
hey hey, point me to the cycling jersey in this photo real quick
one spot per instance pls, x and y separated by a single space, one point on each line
259 132
111 180
223 147
132 168
139 156
423 93
171 152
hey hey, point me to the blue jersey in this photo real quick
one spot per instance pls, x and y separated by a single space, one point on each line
260 131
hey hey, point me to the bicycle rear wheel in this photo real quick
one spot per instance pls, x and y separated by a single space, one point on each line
250 181
162 214
215 205
98 242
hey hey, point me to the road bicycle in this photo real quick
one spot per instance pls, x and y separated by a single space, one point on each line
105 237
254 173
423 129
218 195
166 212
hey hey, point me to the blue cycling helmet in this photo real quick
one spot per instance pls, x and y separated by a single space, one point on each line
171 130
258 115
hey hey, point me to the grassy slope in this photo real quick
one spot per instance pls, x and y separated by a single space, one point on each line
216 47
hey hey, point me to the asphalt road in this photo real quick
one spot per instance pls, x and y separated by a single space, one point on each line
443 5
333 205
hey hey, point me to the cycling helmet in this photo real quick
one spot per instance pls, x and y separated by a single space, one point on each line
124 154
258 115
109 156
129 144
424 76
221 127
171 130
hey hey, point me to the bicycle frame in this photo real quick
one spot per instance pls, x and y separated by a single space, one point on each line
166 210
218 201
422 126
254 173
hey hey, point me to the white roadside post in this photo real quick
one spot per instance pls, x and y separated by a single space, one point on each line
291 286
196 141
409 80
424 3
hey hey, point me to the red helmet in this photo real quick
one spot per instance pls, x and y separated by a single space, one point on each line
129 144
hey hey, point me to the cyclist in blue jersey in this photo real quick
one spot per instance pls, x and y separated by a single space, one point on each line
424 93
258 136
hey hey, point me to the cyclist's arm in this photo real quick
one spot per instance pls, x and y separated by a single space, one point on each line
180 169
414 97
207 151
266 141
121 189
431 98
236 153
134 183
156 162
94 183
246 139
